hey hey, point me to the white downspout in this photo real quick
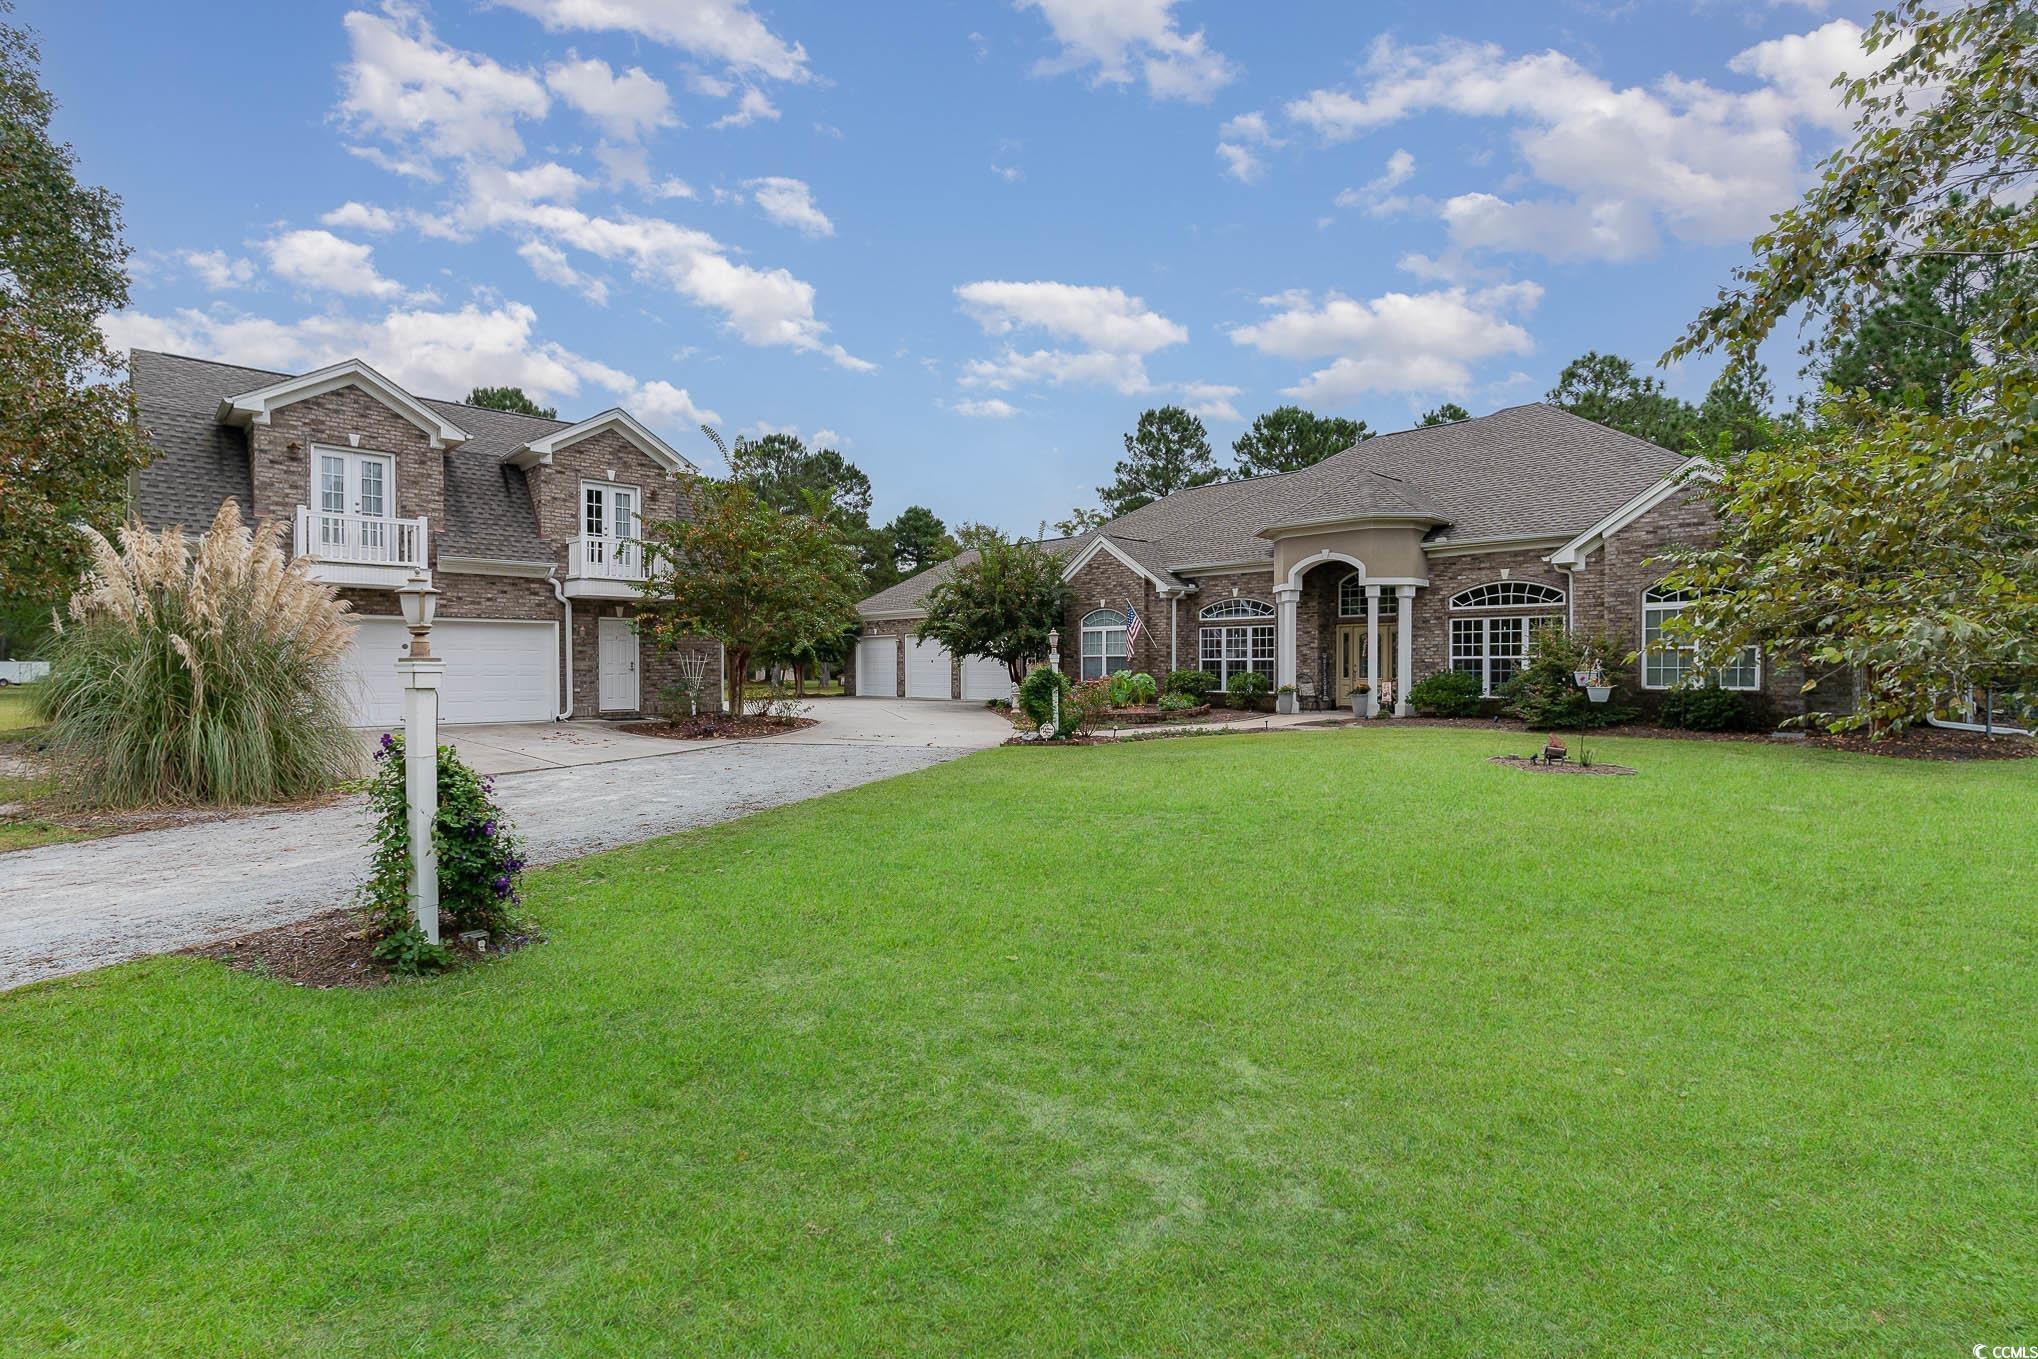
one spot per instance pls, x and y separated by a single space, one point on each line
565 642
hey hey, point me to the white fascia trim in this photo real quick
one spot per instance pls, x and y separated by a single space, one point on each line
492 566
1465 547
259 406
1337 521
1575 552
1218 568
618 419
888 615
1082 559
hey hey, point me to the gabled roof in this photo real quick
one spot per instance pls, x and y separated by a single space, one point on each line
258 405
1526 472
908 598
541 448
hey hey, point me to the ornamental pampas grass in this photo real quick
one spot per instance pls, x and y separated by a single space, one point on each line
206 677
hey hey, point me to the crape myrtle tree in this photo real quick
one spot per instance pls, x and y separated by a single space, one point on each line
1289 438
1896 540
68 436
738 570
1000 603
1168 452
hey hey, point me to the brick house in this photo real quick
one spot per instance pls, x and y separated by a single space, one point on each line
1429 549
524 525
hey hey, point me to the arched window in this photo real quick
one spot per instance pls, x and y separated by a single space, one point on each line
1351 598
1238 608
1509 594
1103 643
1666 665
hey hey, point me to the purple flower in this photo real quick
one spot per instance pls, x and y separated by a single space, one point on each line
502 887
487 829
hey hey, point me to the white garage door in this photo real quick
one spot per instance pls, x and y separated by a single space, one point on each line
495 671
877 667
984 677
927 671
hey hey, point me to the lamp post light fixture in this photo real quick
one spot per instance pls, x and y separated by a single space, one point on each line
421 672
1054 664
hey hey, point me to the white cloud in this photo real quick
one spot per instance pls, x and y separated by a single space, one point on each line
991 408
1420 343
1627 164
1209 400
352 216
765 307
1237 137
1377 196
1125 40
718 30
549 262
752 107
790 202
432 353
324 262
1103 318
625 106
217 272
430 100
630 166
1011 174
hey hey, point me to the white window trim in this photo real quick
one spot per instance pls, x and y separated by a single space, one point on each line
1225 660
1555 598
1390 604
1103 632
1242 609
315 501
1669 608
1485 622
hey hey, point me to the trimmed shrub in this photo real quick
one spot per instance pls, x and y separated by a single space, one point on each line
481 860
1706 708
1545 693
1195 683
206 677
1087 705
1037 691
1176 703
1448 693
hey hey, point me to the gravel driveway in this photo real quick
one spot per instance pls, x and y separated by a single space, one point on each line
67 908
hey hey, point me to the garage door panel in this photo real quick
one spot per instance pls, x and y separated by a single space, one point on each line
985 677
877 667
496 671
927 669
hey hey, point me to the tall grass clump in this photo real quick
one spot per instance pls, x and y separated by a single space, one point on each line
197 677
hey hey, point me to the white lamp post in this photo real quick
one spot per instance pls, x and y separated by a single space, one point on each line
1054 664
421 672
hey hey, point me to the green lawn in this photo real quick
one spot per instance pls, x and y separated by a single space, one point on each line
16 709
1321 1043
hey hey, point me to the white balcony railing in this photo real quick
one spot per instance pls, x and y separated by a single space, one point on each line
597 557
360 539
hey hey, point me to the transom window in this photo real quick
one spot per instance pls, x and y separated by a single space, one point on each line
1225 652
1494 649
1238 608
1103 643
1668 666
1351 598
1508 594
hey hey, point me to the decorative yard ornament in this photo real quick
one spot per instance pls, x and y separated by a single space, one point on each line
421 673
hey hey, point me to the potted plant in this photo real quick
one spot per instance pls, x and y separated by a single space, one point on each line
1362 694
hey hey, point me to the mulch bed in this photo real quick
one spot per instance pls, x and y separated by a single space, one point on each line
328 950
1914 743
1567 767
714 726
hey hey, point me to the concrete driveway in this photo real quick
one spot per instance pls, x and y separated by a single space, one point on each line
67 908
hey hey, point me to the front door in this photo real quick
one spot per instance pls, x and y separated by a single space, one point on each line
616 665
355 493
1351 657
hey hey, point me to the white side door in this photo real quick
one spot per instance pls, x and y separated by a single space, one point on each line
985 677
927 669
877 667
616 665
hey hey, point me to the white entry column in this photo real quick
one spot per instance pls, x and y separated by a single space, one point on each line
1404 647
1372 651
1285 599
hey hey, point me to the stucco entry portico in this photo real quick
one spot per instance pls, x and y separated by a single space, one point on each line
1386 553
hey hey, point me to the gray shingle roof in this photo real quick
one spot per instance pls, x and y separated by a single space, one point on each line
202 462
1526 471
912 592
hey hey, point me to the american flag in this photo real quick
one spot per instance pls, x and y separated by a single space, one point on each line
1134 625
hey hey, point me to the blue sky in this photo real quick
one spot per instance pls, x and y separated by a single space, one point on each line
965 242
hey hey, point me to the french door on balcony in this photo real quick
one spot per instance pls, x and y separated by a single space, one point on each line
608 520
356 497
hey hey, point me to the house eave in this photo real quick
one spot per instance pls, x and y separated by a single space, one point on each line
258 407
1301 526
538 452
